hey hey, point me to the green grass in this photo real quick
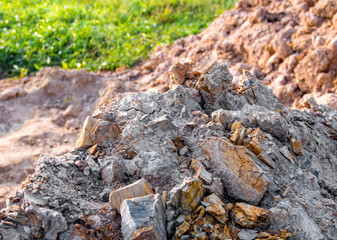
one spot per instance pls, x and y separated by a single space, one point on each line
94 34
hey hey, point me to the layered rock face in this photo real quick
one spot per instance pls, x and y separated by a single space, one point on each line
208 159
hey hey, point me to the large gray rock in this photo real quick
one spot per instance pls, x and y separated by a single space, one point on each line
143 218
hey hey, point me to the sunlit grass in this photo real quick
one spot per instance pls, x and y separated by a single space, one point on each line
94 34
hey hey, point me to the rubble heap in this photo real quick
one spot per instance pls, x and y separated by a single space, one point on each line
209 159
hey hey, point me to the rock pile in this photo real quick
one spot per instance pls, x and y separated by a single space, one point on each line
208 159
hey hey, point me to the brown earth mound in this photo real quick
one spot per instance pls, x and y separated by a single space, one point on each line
290 45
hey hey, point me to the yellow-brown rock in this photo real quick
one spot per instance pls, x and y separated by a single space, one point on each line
177 72
241 176
296 146
84 140
182 229
238 135
137 189
187 195
254 147
104 133
215 207
93 149
236 125
250 216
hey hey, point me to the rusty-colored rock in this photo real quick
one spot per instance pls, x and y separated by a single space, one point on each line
215 207
84 140
182 229
187 195
177 72
250 216
242 178
93 149
105 133
296 146
137 189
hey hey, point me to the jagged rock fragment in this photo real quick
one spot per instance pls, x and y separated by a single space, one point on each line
267 160
296 146
285 152
250 216
184 227
188 195
201 172
104 133
84 140
215 207
241 177
136 189
178 71
143 218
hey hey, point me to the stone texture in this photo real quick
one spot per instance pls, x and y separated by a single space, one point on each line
105 133
242 178
250 216
136 189
143 218
215 207
188 195
84 139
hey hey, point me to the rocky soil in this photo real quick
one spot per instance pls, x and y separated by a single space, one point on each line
187 143
289 45
209 159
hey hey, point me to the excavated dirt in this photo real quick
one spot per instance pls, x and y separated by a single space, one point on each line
291 46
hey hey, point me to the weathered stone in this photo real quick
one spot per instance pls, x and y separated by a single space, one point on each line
213 82
188 195
182 229
250 216
236 125
93 149
105 133
241 177
71 111
84 140
201 172
136 189
285 152
254 147
238 135
143 218
215 207
177 72
296 146
267 160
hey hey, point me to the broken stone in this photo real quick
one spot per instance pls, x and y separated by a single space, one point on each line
105 133
238 135
93 149
215 207
183 151
201 172
241 177
188 195
236 125
182 229
285 152
177 72
250 216
143 218
296 146
213 82
84 140
254 147
267 160
136 189
13 92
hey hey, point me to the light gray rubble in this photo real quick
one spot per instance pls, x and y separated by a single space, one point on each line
250 148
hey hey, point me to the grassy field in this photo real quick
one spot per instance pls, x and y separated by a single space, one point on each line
94 34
